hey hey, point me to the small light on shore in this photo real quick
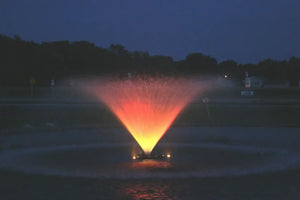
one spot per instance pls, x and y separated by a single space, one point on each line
168 155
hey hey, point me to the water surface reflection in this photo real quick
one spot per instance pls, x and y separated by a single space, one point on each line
148 191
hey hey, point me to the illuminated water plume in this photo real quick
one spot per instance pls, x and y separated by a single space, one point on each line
147 107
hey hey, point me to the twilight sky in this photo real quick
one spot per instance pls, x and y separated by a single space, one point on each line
243 30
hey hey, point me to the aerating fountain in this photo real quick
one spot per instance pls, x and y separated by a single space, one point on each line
147 106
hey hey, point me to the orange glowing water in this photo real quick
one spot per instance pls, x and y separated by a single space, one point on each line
147 107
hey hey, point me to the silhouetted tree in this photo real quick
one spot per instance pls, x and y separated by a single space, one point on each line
20 60
118 49
273 70
202 64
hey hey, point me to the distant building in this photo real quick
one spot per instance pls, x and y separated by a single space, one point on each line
253 82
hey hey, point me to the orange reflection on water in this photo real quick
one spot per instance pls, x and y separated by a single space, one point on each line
151 164
148 191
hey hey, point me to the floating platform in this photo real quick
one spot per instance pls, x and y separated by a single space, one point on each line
151 157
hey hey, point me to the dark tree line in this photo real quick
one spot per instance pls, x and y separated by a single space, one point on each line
22 60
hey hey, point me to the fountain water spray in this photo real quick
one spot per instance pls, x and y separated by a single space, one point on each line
147 106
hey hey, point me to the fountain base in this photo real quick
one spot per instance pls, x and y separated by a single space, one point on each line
143 156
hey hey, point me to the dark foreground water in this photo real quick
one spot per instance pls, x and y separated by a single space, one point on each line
273 186
208 163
